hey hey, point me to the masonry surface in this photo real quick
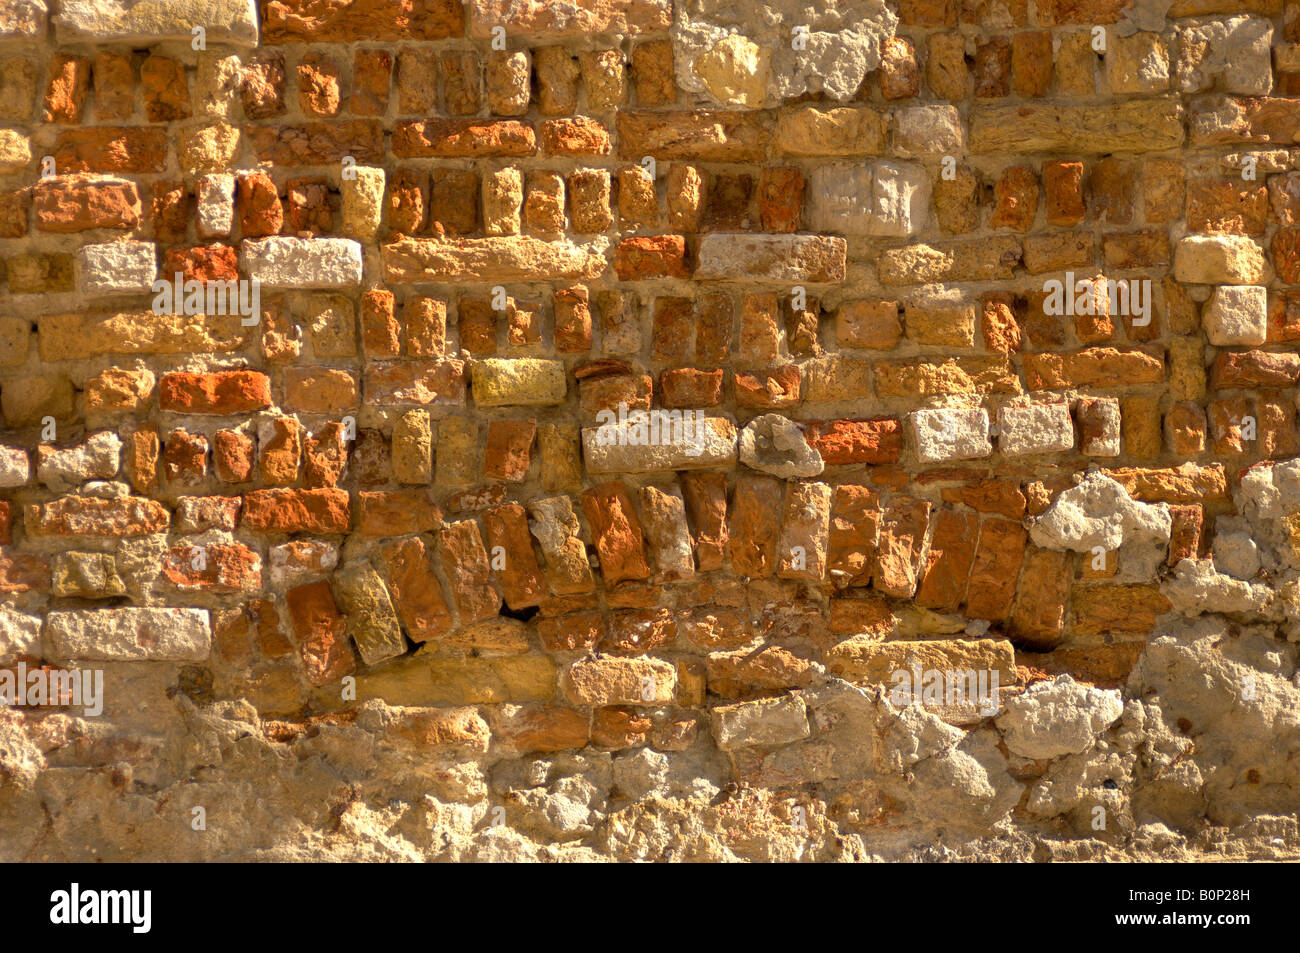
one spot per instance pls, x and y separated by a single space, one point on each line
969 328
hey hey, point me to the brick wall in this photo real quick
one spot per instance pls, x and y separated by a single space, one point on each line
863 260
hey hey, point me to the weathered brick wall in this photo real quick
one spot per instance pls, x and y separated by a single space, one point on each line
362 571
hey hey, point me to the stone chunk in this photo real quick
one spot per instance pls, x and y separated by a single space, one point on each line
523 258
23 20
130 634
928 131
371 619
15 470
537 18
98 458
1234 51
950 434
885 199
843 131
776 445
1060 717
869 662
1099 514
1137 125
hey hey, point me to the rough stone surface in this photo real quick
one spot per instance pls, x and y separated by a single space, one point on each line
1099 516
388 535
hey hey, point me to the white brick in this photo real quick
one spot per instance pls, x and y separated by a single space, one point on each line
1035 428
15 469
215 205
956 433
114 268
20 634
1236 314
281 262
131 634
1107 443
928 131
225 21
713 444
885 198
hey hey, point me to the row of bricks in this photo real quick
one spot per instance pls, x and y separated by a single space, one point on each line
454 201
282 452
955 67
949 560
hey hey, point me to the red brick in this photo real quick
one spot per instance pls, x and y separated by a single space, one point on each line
755 524
165 89
381 335
637 631
258 203
417 594
91 516
1252 369
780 198
509 450
319 629
232 456
221 392
306 21
511 552
201 263
65 93
397 512
691 388
997 567
321 510
103 149
653 256
465 138
948 563
575 632
23 572
75 203
545 728
854 529
1038 613
616 531
325 455
185 458
898 554
874 440
706 505
576 136
772 389
466 568
226 568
